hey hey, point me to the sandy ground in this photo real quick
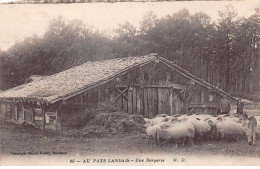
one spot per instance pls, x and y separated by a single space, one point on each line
19 142
29 146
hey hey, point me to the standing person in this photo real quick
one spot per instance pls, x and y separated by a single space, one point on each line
224 105
240 107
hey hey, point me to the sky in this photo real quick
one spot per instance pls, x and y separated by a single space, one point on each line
24 20
8 0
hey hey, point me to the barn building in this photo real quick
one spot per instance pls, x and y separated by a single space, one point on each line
147 85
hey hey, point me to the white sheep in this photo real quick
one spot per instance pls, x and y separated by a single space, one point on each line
200 116
202 128
170 119
146 120
147 124
151 130
157 120
230 129
223 115
161 115
175 131
183 118
212 121
234 119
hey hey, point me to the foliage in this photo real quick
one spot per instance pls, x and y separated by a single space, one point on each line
225 52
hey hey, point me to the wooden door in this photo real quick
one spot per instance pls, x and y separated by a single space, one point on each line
148 101
177 103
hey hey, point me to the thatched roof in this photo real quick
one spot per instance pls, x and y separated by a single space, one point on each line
74 80
62 84
34 78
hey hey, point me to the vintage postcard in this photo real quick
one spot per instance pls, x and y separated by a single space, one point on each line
129 83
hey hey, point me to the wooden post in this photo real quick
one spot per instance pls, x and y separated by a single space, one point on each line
58 121
33 113
146 113
16 113
23 112
138 101
160 101
155 101
151 102
170 101
3 110
43 116
8 111
124 103
58 124
167 100
202 96
205 110
141 92
130 100
134 101
141 96
168 78
4 113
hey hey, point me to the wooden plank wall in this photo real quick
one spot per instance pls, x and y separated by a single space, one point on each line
95 95
7 111
20 112
28 114
146 101
2 110
201 96
177 104
33 114
150 101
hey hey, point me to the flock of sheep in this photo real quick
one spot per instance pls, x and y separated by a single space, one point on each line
188 128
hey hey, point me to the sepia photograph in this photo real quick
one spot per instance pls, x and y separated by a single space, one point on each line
129 83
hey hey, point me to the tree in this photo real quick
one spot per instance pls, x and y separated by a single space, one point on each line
245 47
148 22
126 32
225 52
226 28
